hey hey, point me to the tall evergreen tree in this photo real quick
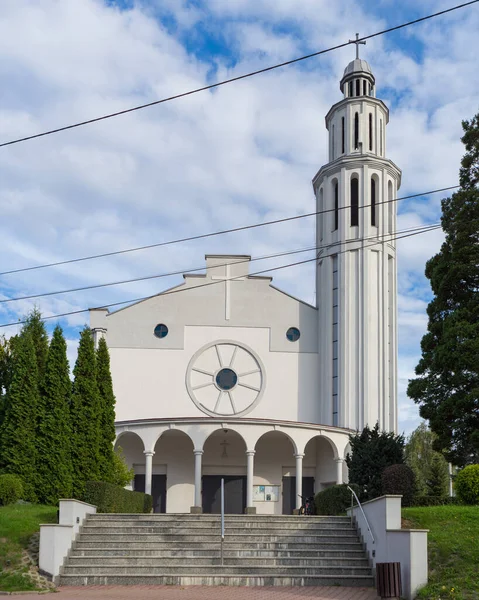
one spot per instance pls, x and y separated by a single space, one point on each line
54 430
447 383
372 451
18 453
107 412
38 332
85 416
6 371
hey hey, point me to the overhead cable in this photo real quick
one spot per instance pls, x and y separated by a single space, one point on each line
237 78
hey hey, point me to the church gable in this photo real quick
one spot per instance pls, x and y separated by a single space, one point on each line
225 296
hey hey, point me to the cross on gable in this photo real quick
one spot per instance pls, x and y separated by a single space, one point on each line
357 41
227 279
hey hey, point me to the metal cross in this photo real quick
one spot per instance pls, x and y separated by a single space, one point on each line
224 444
357 42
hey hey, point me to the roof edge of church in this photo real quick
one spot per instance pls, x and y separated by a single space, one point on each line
294 297
228 256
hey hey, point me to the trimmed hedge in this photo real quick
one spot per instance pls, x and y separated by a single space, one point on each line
335 499
399 479
467 484
435 501
111 498
11 489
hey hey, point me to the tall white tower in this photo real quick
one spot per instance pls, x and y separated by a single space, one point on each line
356 266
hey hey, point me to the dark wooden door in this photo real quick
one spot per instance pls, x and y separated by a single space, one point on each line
158 490
235 494
289 492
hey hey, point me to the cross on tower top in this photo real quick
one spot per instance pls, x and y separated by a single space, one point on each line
357 42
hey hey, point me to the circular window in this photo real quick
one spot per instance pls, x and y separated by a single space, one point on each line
293 334
161 331
226 379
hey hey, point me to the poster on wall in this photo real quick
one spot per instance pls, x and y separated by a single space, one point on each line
258 493
271 493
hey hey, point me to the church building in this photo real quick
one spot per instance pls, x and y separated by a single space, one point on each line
227 376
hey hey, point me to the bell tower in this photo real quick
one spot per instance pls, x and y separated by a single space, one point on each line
356 260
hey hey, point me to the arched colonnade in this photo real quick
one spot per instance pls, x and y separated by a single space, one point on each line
264 452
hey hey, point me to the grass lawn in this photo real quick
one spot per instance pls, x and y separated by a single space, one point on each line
18 522
453 543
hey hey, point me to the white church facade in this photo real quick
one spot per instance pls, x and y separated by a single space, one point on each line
226 376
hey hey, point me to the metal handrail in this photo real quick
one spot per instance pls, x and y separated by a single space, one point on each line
222 517
362 511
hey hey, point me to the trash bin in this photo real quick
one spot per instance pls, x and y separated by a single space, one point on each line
388 580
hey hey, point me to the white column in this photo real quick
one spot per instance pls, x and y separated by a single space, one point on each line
249 477
339 470
299 478
198 454
148 470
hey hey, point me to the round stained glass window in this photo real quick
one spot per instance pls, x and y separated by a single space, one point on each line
226 379
161 331
293 334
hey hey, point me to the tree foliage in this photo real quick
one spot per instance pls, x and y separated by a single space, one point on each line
399 480
18 452
108 460
85 407
447 383
430 467
38 332
372 451
6 370
122 474
467 484
54 430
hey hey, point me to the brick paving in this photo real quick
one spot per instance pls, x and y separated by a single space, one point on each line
145 592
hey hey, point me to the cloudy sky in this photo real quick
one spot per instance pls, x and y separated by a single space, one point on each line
240 154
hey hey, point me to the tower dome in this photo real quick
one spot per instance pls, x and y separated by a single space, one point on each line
358 79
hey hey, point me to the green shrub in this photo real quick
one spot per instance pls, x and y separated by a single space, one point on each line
11 489
110 498
435 501
335 499
400 480
467 484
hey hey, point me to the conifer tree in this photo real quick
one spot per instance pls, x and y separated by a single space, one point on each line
17 433
447 383
6 371
38 332
420 456
107 412
85 416
54 431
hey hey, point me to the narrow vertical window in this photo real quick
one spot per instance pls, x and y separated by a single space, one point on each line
390 207
373 202
332 145
354 202
358 87
356 131
381 137
350 88
365 88
336 206
342 135
370 132
335 340
320 214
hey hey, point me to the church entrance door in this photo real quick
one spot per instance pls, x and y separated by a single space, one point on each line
289 492
235 494
158 491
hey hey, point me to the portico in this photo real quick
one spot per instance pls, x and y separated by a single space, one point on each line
267 465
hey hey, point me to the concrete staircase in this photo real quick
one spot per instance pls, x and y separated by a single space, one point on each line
118 549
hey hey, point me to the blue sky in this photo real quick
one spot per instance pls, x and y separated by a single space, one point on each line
235 156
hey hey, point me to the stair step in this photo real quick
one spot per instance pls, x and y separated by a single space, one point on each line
271 579
187 551
202 545
145 561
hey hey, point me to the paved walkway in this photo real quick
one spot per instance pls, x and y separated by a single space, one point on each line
145 592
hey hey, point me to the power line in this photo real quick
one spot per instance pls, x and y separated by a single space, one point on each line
178 290
422 229
216 233
239 77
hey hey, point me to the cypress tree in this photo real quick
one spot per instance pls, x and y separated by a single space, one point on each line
107 412
17 433
38 332
54 431
447 383
85 416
